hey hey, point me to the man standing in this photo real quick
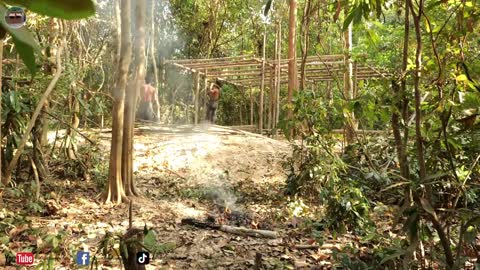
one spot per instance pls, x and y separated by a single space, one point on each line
147 96
212 104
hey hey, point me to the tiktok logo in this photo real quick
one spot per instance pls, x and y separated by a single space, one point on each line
143 257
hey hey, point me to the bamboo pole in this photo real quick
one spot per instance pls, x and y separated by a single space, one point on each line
163 76
205 97
251 106
262 87
223 65
196 97
209 59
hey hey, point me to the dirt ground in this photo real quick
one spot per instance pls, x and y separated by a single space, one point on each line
231 176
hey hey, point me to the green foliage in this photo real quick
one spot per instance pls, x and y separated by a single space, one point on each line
64 9
25 44
231 105
316 169
363 8
151 244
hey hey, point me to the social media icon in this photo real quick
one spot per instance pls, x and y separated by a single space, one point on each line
83 258
15 17
143 257
24 258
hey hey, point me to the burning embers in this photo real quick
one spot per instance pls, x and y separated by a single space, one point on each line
241 223
226 216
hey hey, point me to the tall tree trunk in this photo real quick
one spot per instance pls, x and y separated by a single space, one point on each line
350 122
131 99
279 73
115 190
402 104
154 63
444 239
1 98
292 59
262 86
118 19
418 112
305 43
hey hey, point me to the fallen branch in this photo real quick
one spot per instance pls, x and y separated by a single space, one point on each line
248 232
175 173
231 229
324 246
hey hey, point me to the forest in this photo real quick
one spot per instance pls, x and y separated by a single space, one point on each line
240 134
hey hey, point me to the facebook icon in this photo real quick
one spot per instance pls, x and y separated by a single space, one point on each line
83 258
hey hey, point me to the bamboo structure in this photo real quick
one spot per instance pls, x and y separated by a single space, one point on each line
250 72
247 71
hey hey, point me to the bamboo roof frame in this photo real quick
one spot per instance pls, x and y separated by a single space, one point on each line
246 71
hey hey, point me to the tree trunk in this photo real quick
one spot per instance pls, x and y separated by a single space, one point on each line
131 99
402 104
115 190
305 31
74 106
275 80
271 95
279 74
292 59
1 98
262 86
444 239
154 63
350 122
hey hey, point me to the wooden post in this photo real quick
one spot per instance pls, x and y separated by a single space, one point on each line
251 106
262 86
205 97
354 86
270 98
163 78
196 97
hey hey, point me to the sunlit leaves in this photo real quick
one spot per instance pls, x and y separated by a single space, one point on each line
267 7
25 44
65 9
363 9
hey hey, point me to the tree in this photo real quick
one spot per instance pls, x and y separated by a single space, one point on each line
350 124
292 60
115 189
131 99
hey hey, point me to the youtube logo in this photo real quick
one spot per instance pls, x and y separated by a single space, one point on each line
24 258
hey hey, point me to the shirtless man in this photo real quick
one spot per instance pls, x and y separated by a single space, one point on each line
212 104
147 96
